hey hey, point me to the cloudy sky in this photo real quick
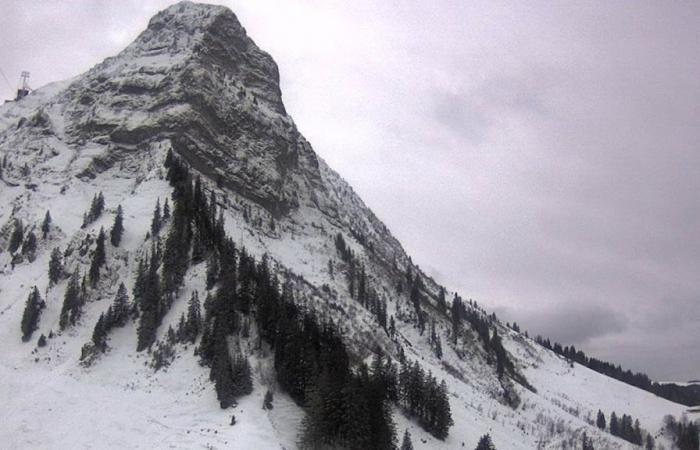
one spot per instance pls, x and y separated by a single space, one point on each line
541 158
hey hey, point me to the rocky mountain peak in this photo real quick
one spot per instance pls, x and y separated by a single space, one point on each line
195 78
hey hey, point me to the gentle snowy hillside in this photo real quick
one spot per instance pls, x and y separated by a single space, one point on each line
195 85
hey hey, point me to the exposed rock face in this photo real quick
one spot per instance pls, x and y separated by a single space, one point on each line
196 77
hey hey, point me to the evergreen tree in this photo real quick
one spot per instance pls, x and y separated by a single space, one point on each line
241 376
407 444
637 434
212 270
166 210
441 414
98 259
485 443
177 245
456 317
438 347
140 282
156 221
150 306
120 308
99 334
267 401
441 301
46 224
17 236
115 234
55 266
96 207
29 246
649 442
600 421
32 312
71 302
193 323
614 430
500 353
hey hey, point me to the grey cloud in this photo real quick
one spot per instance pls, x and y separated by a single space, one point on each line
576 324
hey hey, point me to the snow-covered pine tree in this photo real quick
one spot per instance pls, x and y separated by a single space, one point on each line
156 221
115 234
71 301
32 312
29 246
406 444
193 323
485 443
46 225
16 237
98 258
55 266
120 307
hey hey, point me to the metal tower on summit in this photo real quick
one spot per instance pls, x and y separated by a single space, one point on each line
24 90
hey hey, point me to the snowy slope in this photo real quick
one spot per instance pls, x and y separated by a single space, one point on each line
194 83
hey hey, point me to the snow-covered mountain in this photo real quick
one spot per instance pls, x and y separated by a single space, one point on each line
194 86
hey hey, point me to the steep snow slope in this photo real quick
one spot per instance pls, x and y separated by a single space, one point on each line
194 83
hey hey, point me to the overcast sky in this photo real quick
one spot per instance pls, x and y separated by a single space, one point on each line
541 158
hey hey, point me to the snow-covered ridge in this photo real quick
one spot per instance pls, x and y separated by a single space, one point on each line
193 82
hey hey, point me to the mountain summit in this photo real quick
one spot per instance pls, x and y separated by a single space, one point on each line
180 269
195 77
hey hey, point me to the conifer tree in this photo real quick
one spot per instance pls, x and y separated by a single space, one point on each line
166 211
96 207
241 376
485 443
600 420
193 323
115 234
46 224
55 266
441 301
267 401
32 312
456 317
442 415
586 442
212 270
17 236
407 444
614 426
29 246
98 259
649 442
120 308
99 334
177 247
71 301
150 305
500 353
156 221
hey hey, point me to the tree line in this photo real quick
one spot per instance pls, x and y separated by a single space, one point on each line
686 395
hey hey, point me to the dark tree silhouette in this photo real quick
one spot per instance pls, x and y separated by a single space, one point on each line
32 312
115 234
46 225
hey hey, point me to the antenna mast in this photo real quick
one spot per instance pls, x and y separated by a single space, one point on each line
24 90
